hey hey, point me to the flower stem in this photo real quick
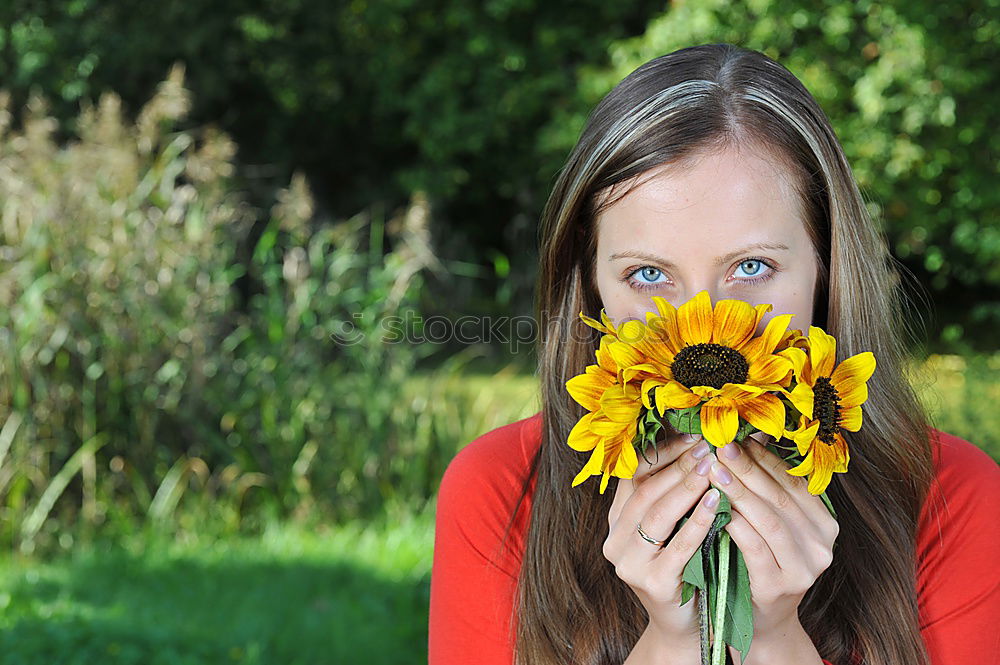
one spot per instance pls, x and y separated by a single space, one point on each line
719 647
707 552
703 621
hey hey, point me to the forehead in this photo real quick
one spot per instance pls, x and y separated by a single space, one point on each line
722 198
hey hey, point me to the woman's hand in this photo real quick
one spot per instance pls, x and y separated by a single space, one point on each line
786 535
657 497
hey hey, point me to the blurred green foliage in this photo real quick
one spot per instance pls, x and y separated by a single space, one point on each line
913 92
478 104
127 372
179 355
373 99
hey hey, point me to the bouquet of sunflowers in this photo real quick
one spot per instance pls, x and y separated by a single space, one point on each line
702 371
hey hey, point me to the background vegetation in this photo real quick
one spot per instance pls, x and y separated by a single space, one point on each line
210 450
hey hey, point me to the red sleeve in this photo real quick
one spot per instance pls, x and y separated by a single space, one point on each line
474 577
958 555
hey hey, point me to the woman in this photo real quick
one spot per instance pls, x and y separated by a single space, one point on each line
713 169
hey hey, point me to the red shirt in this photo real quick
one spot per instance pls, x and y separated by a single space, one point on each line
473 584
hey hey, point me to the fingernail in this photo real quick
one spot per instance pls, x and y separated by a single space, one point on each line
700 450
712 498
731 450
704 466
721 473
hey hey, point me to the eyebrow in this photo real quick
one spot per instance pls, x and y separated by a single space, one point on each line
631 254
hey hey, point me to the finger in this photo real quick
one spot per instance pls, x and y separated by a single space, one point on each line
762 566
670 453
658 503
671 560
659 523
797 487
769 523
736 458
664 455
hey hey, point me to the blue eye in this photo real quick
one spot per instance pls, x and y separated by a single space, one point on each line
647 277
751 267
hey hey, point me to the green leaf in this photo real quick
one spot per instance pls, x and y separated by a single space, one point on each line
685 420
687 592
829 504
738 631
694 573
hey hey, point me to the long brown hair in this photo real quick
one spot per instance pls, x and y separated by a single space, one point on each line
571 606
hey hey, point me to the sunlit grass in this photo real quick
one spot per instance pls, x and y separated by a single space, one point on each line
347 594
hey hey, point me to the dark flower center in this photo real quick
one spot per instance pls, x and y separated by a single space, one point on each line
826 409
709 365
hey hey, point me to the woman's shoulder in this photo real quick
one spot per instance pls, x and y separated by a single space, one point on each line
506 450
481 490
489 471
961 465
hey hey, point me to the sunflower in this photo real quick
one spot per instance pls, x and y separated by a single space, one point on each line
612 419
699 355
829 400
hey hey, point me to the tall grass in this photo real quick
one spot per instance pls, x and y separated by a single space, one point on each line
136 390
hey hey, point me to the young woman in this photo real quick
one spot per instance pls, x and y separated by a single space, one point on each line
713 169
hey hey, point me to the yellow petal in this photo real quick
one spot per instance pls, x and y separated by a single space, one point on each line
822 352
800 364
633 332
769 369
597 325
580 437
850 419
854 396
604 427
621 408
666 326
803 399
764 345
843 455
643 370
604 481
627 461
647 385
593 466
588 388
856 369
741 390
719 421
803 469
605 359
823 462
759 312
706 392
664 308
765 412
804 438
694 319
673 395
734 323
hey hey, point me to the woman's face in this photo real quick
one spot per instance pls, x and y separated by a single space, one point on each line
728 223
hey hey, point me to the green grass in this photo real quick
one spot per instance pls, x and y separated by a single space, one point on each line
352 594
961 395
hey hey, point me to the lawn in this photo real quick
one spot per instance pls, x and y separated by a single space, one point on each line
353 595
